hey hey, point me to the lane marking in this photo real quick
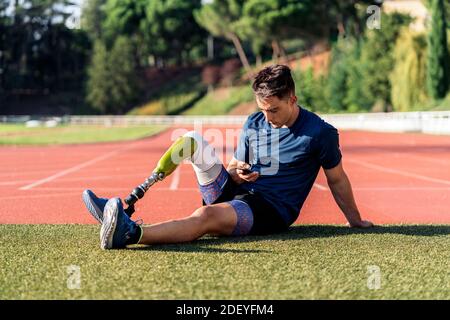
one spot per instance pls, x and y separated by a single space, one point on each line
76 168
103 189
399 172
320 186
78 192
175 179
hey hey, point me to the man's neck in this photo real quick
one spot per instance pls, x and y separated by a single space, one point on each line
293 118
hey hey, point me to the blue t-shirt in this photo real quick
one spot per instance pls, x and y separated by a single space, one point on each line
288 159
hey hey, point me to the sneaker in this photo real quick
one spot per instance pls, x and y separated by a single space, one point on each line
118 230
94 204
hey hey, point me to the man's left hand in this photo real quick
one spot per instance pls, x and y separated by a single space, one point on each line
362 224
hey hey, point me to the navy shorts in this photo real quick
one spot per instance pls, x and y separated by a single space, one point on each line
256 216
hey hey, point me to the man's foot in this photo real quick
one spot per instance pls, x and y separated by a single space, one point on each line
94 204
117 228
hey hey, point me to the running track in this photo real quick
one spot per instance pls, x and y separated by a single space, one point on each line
397 178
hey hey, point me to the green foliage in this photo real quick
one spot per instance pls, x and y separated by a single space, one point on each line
377 62
357 78
92 17
170 29
172 98
165 29
112 85
124 90
344 89
409 74
309 90
221 101
221 19
265 21
39 53
438 67
355 98
99 81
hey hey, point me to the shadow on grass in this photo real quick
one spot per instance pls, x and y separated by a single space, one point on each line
297 232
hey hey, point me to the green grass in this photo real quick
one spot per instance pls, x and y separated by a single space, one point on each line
172 97
221 101
12 134
307 262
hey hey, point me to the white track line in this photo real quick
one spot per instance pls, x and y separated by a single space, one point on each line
399 172
77 192
175 179
320 186
76 168
9 183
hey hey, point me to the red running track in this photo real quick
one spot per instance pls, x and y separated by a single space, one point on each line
396 178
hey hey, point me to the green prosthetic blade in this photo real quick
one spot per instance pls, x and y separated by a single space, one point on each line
181 149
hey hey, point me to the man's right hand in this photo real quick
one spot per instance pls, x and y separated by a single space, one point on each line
239 172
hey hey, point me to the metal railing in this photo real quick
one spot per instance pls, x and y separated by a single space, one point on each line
425 122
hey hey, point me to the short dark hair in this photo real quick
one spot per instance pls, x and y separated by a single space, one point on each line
275 80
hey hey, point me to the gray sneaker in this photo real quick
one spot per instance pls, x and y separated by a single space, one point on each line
94 204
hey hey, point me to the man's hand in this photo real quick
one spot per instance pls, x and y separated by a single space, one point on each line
343 194
362 224
239 172
243 171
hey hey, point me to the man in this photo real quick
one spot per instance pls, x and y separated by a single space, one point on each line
280 152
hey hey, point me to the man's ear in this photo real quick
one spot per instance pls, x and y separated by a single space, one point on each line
293 99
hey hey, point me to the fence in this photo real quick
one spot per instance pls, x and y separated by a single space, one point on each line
425 122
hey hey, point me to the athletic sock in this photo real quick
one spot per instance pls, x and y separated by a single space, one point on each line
136 236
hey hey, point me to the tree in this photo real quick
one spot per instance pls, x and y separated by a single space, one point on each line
5 21
122 68
92 18
40 53
438 68
377 62
112 84
220 18
409 74
337 81
99 83
170 29
309 89
165 29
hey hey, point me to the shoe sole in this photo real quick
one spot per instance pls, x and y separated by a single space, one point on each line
108 226
93 209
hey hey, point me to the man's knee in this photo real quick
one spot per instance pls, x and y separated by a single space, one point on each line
217 219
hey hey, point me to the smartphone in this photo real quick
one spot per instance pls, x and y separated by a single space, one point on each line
246 171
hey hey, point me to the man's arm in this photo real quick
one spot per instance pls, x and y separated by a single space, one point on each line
343 195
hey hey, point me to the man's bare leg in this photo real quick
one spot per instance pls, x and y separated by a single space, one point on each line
217 219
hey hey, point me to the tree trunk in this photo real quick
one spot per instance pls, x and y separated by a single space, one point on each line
240 51
275 51
258 60
282 52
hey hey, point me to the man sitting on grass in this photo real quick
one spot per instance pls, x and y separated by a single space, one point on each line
280 152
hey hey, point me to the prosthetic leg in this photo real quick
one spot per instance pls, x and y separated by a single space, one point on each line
190 146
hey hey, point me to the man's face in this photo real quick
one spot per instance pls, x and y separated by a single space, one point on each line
278 112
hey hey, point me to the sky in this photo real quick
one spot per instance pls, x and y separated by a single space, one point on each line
74 20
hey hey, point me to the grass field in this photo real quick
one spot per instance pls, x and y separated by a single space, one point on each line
307 262
14 134
221 101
